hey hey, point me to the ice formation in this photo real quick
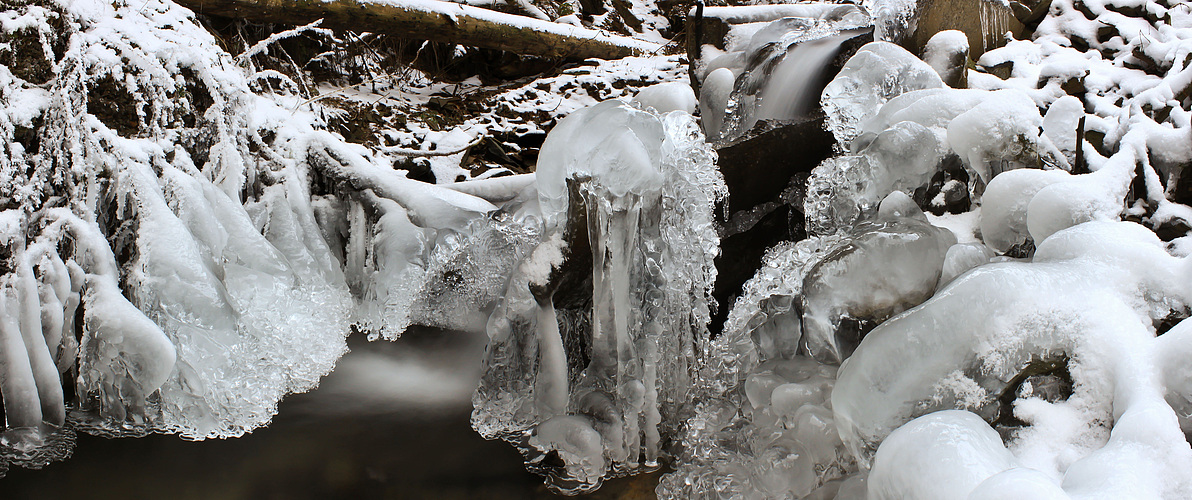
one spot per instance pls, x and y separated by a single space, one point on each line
231 303
166 261
886 267
599 385
878 72
917 130
1124 282
182 246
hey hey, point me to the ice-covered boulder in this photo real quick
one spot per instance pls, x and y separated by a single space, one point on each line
939 456
1092 292
618 146
1030 204
847 189
878 72
713 100
886 267
667 97
947 53
961 257
1001 133
1060 124
1004 205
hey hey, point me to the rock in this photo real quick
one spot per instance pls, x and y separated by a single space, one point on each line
1030 12
984 22
947 53
759 167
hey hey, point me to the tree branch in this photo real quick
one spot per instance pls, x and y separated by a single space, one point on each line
437 21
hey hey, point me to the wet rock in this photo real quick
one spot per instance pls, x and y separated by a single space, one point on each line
741 253
766 174
1046 378
25 51
115 106
758 167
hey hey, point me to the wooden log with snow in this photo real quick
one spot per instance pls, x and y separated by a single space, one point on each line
436 21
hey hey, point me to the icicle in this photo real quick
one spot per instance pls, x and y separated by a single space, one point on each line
550 386
70 344
22 407
52 289
643 188
45 374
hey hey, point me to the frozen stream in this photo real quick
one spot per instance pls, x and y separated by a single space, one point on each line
390 422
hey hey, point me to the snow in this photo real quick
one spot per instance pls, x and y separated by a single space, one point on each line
667 97
962 257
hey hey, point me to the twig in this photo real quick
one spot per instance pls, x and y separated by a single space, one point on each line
260 46
421 152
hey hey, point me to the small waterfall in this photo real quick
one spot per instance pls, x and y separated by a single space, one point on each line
783 79
791 90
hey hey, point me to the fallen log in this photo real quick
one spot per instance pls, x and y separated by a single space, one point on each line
436 21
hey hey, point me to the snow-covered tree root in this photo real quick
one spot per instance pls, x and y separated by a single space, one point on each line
416 252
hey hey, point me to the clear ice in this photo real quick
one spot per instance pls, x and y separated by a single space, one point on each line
642 187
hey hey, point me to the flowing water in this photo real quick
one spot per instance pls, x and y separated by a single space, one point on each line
390 422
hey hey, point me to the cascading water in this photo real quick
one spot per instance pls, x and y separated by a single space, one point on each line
790 91
784 71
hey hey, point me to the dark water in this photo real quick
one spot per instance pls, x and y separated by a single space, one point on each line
390 422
